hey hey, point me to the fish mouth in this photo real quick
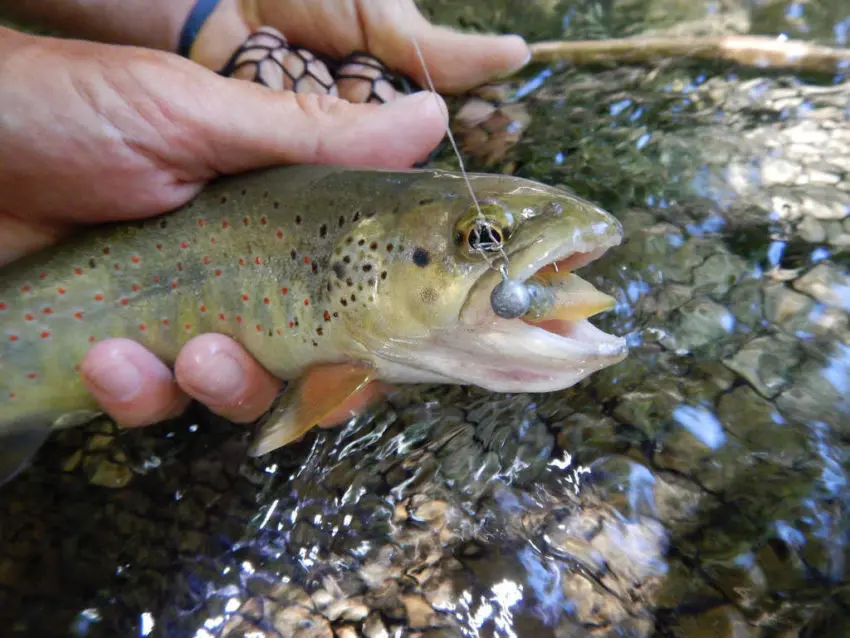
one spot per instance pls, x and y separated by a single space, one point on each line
554 345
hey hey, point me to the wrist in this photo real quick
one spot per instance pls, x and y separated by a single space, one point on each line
223 31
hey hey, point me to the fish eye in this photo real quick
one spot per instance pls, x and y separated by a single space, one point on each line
485 231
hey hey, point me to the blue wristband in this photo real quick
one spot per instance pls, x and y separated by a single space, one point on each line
197 16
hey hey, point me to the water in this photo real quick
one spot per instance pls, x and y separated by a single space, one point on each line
697 489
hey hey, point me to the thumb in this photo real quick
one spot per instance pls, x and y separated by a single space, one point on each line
485 57
249 126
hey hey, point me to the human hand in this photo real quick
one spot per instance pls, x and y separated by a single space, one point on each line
144 131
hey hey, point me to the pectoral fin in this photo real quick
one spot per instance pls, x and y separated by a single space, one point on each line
324 396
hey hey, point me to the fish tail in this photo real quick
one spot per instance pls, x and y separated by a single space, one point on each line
20 442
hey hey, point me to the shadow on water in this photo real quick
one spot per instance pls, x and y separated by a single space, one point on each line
697 489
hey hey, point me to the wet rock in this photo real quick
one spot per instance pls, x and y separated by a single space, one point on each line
720 622
699 323
826 284
763 362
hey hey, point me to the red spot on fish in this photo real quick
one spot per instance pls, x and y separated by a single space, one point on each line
142 327
206 259
32 375
291 324
203 308
159 246
116 267
61 291
77 368
11 395
124 301
263 221
221 316
217 273
174 284
165 322
188 326
98 297
47 310
92 339
78 271
266 301
225 224
136 259
259 328
279 234
78 315
241 262
258 261
306 302
306 260
179 266
43 275
28 317
13 338
3 305
212 240
25 288
327 316
45 334
246 221
156 279
201 223
184 244
244 297
106 251
278 331
238 319
135 287
283 291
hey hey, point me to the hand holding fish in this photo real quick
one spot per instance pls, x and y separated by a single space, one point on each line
93 132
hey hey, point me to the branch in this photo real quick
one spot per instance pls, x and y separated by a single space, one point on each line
755 51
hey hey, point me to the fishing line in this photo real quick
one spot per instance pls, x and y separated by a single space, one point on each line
510 298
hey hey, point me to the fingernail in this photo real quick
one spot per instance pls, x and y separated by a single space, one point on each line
525 60
117 377
219 378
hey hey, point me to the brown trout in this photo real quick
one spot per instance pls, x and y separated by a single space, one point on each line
335 279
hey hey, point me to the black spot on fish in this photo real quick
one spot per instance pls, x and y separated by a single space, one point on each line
421 257
389 248
271 334
353 297
343 301
276 204
356 216
348 240
371 282
298 219
370 214
330 286
163 223
423 202
367 267
314 267
319 331
265 194
92 263
341 221
223 199
347 259
244 192
384 275
373 245
339 269
323 230
361 242
293 254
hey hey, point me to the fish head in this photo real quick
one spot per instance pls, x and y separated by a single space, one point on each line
429 317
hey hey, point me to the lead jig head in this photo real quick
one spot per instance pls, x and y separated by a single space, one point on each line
510 299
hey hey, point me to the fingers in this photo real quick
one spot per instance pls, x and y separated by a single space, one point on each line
131 384
216 371
246 126
135 388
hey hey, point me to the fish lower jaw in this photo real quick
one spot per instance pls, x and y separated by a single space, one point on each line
530 358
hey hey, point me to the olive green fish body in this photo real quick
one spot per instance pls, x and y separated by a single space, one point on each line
311 265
